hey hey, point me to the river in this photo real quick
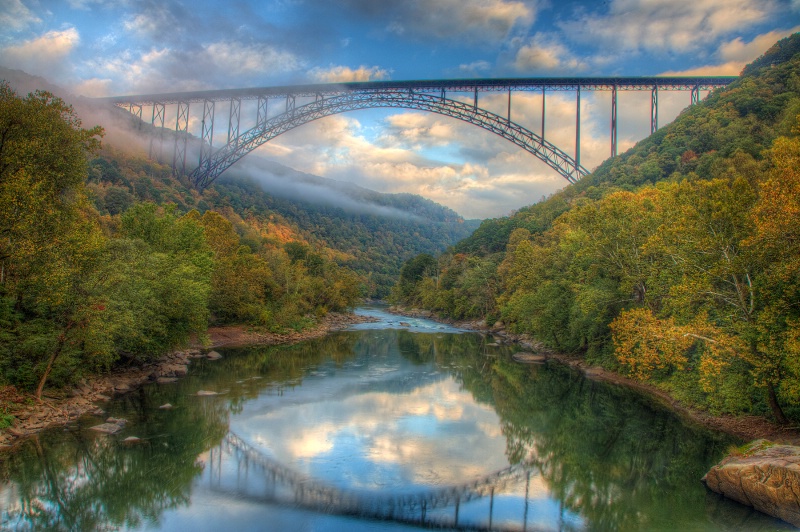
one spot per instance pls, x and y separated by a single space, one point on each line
395 425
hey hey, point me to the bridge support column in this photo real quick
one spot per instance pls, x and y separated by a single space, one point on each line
234 113
458 504
578 133
181 139
543 110
136 110
290 103
614 121
654 109
261 113
207 134
695 94
509 105
475 101
156 152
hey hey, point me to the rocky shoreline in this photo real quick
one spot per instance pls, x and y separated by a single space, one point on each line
66 406
746 428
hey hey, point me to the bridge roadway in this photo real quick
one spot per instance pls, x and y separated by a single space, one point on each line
425 95
411 508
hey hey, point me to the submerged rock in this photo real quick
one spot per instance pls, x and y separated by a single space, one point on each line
165 406
204 393
529 358
213 355
108 428
762 475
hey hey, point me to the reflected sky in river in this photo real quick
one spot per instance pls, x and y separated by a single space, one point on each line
337 430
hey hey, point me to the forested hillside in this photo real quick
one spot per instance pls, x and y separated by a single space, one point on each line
107 258
370 233
677 263
124 265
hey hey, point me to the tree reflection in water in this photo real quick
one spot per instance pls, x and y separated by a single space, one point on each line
605 453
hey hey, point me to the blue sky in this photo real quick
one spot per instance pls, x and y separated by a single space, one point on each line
107 47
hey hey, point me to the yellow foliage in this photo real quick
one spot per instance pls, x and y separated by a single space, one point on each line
645 343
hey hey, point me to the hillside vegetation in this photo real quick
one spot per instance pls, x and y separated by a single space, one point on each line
677 263
127 264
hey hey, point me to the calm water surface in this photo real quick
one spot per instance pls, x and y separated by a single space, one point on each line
390 426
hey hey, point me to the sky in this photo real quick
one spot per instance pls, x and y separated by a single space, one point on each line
118 47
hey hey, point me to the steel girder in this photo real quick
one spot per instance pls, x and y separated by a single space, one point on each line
467 86
226 156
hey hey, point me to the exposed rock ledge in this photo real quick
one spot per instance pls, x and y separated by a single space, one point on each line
762 475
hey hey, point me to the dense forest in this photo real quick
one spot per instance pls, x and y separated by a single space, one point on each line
108 258
676 263
92 275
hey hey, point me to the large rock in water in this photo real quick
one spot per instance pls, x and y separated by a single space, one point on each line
764 476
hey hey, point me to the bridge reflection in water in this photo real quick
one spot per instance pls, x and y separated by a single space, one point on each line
260 478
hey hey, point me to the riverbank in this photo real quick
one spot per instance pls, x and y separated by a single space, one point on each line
746 428
61 407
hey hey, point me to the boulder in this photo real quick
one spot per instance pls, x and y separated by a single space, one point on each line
762 475
529 358
213 355
108 428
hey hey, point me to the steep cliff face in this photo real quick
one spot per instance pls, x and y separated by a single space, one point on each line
765 476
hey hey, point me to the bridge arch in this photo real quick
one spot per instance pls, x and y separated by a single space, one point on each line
213 166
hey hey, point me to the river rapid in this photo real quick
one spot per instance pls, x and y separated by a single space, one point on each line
398 424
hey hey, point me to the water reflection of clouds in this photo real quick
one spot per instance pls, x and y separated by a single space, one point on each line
401 434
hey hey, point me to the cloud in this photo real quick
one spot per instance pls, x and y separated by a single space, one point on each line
544 53
83 4
475 68
15 16
237 59
215 65
666 25
342 74
160 21
398 433
45 55
472 20
735 54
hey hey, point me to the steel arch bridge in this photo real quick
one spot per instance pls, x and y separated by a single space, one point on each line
267 480
430 96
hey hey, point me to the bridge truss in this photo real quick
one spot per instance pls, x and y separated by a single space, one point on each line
429 96
282 485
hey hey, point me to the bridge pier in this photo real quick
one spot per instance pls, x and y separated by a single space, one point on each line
181 138
234 113
654 109
614 121
543 110
207 132
157 140
578 131
261 112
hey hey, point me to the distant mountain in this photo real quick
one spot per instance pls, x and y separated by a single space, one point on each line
376 232
370 232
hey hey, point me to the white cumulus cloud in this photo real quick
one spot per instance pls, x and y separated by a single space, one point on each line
343 74
667 25
45 55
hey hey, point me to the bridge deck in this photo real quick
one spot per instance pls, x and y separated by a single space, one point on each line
681 83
